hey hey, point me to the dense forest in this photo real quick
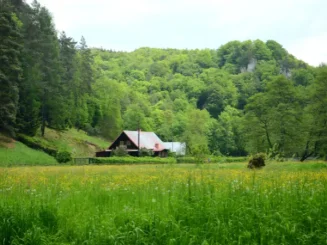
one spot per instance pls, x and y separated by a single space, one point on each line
242 98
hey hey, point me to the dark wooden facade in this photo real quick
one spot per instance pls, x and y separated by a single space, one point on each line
123 140
131 146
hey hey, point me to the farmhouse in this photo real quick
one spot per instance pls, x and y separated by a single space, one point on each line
135 140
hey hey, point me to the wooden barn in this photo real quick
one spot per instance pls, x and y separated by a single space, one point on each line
134 141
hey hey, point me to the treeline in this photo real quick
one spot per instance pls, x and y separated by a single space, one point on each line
45 80
243 98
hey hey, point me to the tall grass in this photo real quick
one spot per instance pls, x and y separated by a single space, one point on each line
162 204
20 154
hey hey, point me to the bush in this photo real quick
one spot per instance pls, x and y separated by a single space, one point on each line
120 151
257 161
145 152
63 157
92 131
275 154
132 160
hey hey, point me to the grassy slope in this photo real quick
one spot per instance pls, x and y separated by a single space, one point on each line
75 141
72 140
20 154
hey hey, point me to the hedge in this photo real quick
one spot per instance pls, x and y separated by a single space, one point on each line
132 160
154 160
36 144
212 159
61 156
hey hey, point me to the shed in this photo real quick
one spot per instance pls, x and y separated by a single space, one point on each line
177 147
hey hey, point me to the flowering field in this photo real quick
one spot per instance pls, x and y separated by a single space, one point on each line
164 204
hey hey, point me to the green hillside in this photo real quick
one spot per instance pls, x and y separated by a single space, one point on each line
16 153
78 143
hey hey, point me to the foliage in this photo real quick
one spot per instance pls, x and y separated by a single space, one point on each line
63 156
10 70
37 144
146 152
76 142
257 161
120 151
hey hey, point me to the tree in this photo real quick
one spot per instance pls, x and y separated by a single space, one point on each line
261 51
219 93
196 131
67 53
316 118
51 99
134 117
277 50
10 70
226 135
86 70
271 116
28 115
247 85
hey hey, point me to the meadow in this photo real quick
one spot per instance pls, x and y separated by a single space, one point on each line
283 203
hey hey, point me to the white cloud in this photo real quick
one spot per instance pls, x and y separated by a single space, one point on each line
313 50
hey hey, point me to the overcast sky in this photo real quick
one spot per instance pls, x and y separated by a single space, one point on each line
299 25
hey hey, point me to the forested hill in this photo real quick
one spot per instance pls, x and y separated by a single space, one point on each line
243 97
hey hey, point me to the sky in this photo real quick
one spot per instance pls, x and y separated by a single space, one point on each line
125 25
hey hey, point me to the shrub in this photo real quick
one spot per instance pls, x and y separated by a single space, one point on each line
275 154
257 161
63 157
36 144
145 152
120 151
92 131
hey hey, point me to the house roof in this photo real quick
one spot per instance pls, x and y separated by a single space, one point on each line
177 147
148 140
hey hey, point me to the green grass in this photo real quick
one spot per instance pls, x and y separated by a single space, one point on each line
72 140
283 203
278 166
20 154
76 142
